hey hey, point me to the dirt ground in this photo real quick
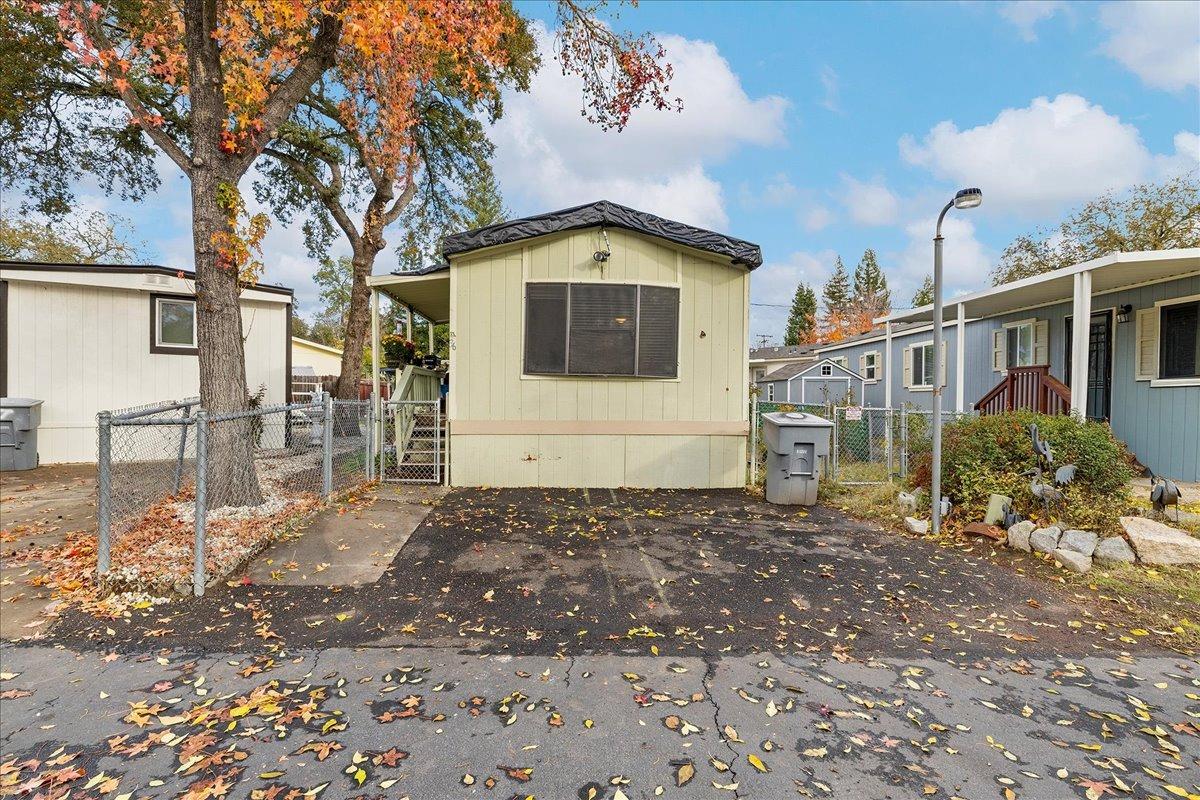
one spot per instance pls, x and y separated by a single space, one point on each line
536 572
37 507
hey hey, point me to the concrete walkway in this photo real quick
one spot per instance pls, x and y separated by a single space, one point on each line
351 543
37 508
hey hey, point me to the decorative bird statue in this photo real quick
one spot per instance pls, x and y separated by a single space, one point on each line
1045 492
910 500
1164 492
1041 446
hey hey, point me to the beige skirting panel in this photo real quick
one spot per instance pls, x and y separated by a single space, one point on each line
578 461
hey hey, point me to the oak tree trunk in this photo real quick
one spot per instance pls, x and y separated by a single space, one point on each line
358 320
230 474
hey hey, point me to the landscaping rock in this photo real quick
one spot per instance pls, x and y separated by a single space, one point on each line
997 504
914 525
1079 541
1156 543
1018 535
1114 550
1045 540
1073 561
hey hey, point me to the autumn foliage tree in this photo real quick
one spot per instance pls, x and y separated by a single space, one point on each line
212 83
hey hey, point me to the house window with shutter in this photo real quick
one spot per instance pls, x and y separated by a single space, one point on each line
868 365
1179 353
1024 343
1168 343
601 329
918 366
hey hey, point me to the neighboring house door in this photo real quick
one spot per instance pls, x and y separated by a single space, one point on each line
1100 358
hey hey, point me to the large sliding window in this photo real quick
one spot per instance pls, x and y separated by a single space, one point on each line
618 329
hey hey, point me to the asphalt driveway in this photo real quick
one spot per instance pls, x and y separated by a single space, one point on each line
543 572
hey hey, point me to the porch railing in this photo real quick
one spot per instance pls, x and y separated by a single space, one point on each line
1027 389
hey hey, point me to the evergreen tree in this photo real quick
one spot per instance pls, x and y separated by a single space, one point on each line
871 295
924 295
802 319
836 294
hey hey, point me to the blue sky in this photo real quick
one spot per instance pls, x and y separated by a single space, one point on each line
818 129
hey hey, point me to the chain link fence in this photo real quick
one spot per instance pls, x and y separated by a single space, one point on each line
868 445
182 491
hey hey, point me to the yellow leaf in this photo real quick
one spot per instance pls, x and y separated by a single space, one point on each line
757 763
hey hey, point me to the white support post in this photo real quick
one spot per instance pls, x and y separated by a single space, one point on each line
376 397
960 361
1081 311
408 323
887 364
431 347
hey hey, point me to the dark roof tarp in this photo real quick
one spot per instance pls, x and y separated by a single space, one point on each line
608 214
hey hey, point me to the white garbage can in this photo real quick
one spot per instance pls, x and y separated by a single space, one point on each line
797 449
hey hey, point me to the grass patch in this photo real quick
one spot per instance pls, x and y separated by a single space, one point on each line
1163 602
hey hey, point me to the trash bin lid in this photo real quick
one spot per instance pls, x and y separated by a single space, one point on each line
19 402
797 419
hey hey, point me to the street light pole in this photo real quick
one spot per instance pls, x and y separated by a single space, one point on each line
965 198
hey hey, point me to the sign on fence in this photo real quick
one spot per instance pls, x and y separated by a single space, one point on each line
854 412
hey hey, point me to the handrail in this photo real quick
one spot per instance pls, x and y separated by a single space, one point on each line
414 384
1027 388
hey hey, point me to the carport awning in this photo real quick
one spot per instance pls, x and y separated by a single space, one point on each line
1109 273
428 295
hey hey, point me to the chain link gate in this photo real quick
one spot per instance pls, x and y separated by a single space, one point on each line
413 448
863 444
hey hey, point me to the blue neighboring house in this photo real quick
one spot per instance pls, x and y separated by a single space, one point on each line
1138 358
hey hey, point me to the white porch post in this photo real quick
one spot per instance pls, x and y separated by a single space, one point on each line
376 399
1081 313
887 364
408 314
430 322
960 361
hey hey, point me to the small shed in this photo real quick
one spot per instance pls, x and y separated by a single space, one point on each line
86 338
825 381
597 346
321 359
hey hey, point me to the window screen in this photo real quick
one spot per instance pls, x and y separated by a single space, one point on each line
601 329
546 328
922 365
658 332
1180 341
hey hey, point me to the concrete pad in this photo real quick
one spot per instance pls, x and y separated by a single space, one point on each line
349 544
37 507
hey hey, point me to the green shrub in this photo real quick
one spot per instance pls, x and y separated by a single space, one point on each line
986 455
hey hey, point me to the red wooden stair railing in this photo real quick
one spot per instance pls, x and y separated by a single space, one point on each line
1027 388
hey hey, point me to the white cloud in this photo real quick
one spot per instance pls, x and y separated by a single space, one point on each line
1185 158
777 191
548 156
1157 41
869 202
829 82
816 218
1040 159
1026 14
774 283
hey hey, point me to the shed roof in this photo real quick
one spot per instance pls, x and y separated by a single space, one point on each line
609 214
126 269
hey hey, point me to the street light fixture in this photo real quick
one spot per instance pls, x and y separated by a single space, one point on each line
964 198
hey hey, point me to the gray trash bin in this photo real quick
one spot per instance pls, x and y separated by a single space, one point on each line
797 449
19 420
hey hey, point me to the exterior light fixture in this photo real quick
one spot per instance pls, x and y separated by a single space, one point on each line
620 320
1123 312
963 198
968 198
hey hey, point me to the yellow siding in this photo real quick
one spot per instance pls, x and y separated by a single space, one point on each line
487 293
322 361
84 349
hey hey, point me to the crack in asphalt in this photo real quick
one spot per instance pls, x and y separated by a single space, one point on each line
570 666
710 671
